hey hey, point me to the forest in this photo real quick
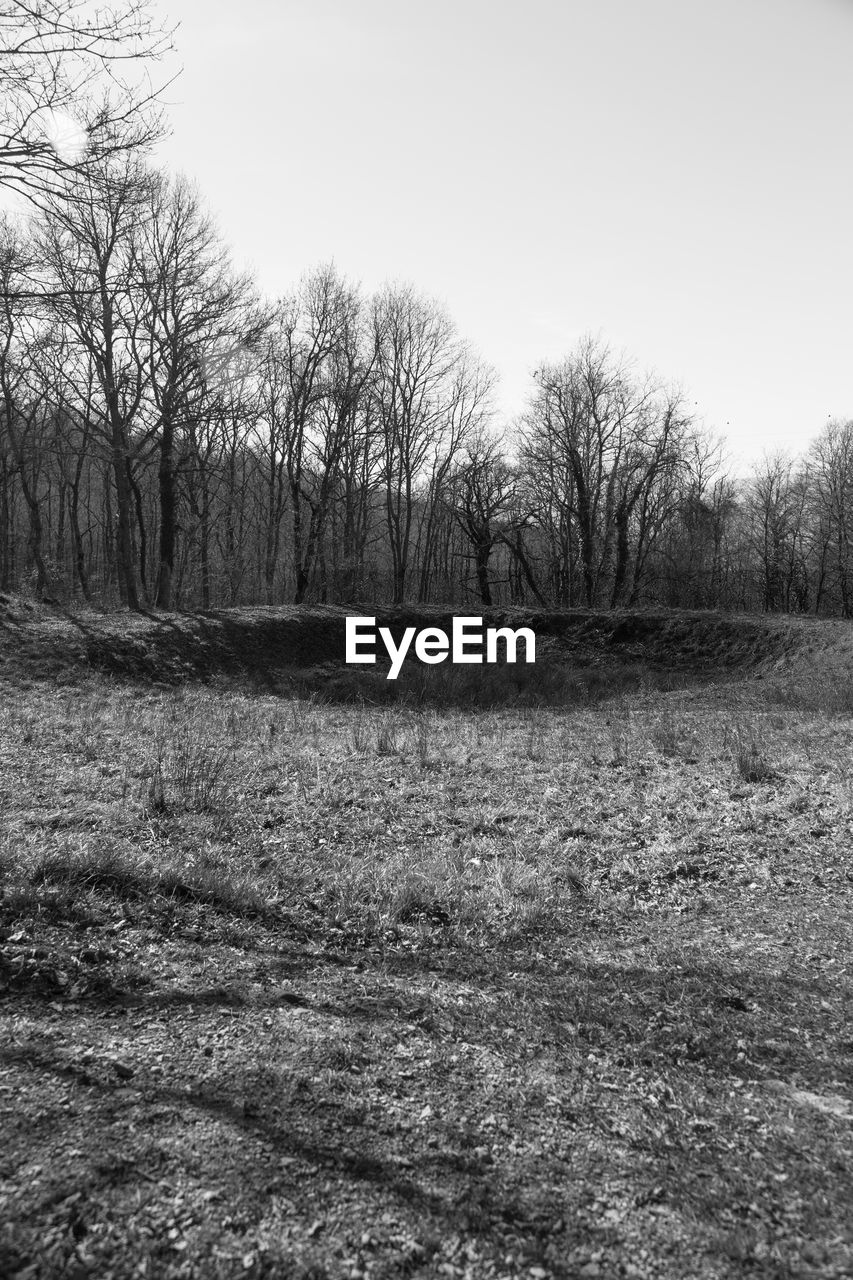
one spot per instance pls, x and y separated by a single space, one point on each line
171 437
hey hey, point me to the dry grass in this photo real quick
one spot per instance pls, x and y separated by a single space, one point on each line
234 794
520 990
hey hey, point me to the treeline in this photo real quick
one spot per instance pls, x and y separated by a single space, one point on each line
169 438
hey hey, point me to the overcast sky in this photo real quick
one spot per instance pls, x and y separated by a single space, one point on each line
675 174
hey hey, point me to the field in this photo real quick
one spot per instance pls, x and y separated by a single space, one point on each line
523 974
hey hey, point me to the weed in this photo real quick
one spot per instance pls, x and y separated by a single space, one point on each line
417 899
619 741
537 738
750 761
358 735
386 737
98 864
667 734
157 803
198 772
422 736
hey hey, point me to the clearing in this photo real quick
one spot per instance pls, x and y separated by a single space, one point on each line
498 975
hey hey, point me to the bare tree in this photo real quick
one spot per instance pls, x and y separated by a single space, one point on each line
198 314
430 396
86 240
359 473
487 507
831 469
651 458
596 437
466 412
22 407
777 496
313 376
76 88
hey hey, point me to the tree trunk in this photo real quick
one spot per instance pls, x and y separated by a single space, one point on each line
517 550
482 554
168 515
110 565
124 527
140 524
76 534
204 553
5 527
622 554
